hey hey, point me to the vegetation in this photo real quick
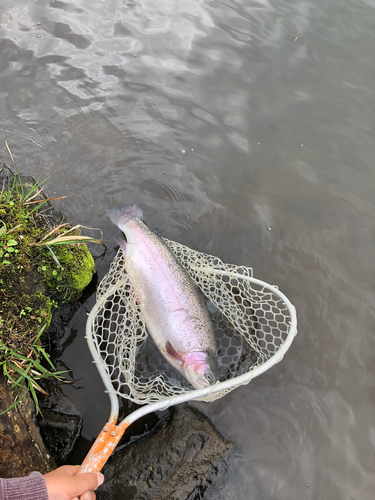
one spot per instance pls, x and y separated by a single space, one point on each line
41 263
24 372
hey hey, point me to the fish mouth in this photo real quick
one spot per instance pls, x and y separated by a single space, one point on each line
207 380
199 369
203 381
200 382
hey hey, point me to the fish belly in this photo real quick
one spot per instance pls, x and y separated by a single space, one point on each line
173 308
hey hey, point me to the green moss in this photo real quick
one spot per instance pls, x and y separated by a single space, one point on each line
31 276
82 269
68 269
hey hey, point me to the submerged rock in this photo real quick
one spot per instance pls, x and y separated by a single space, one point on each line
59 326
178 460
60 426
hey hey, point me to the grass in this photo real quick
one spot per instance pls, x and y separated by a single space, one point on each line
40 265
24 371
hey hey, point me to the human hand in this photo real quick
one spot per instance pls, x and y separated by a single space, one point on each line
64 484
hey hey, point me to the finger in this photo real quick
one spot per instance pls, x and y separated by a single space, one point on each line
71 469
86 482
89 495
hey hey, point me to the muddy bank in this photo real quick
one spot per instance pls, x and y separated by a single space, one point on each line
22 448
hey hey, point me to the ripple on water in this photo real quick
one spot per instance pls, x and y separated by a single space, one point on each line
272 104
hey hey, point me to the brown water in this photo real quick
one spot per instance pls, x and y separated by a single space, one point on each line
246 130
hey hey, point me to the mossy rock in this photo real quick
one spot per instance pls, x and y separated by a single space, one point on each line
69 270
81 268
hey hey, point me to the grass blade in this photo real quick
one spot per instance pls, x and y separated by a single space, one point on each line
10 152
37 207
35 187
46 356
39 334
34 396
14 404
68 240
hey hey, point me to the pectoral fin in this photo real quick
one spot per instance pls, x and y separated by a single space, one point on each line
171 352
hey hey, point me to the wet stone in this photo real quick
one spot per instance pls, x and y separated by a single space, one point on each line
178 460
60 426
58 330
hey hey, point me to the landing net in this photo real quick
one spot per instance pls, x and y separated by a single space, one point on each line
254 325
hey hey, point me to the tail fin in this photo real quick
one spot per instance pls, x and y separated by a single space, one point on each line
122 215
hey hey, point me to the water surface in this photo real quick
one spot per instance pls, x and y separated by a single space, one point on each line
245 130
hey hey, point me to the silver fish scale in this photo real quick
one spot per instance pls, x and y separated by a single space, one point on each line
191 297
250 320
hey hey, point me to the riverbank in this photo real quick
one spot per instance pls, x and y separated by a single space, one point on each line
38 275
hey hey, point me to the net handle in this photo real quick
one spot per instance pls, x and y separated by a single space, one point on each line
103 447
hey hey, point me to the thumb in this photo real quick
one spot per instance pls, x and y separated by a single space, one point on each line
85 482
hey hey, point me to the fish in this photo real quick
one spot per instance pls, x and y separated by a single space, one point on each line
172 305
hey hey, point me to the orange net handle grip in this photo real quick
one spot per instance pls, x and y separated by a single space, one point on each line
103 447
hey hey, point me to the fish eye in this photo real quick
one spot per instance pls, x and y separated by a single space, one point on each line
210 378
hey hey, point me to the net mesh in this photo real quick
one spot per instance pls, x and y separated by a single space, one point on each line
251 322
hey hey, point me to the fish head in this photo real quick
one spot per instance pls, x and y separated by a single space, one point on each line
200 368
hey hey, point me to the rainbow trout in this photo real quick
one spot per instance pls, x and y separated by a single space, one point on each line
173 307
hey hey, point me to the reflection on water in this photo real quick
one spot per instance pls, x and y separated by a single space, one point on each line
243 129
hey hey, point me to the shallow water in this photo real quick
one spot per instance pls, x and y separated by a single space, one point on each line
245 130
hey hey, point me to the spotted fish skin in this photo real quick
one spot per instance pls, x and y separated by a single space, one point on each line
173 307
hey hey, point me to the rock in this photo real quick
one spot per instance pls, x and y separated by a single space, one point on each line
60 425
22 448
178 460
61 317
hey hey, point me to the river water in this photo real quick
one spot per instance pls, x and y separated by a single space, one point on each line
245 130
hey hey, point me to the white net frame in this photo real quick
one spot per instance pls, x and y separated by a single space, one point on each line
254 325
